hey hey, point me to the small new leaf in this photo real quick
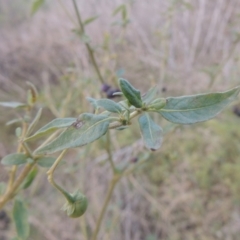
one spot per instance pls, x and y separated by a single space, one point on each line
151 132
52 126
133 95
109 105
13 104
157 104
34 122
20 216
197 108
14 159
89 20
92 127
149 96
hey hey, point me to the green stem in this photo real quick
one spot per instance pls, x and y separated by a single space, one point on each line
108 148
9 194
51 180
111 188
89 49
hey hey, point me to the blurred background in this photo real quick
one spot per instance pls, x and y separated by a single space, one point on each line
187 190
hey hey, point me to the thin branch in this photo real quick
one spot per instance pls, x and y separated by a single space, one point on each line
89 48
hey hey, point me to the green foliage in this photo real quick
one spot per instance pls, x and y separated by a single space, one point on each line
46 162
151 132
198 108
20 216
30 178
13 104
88 128
34 122
149 96
52 126
109 105
132 95
14 159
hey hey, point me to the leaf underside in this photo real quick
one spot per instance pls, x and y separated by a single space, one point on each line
151 132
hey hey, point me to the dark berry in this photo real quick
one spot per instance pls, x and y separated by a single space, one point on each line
110 93
105 87
164 89
236 111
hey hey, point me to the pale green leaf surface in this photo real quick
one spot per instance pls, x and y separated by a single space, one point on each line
109 105
14 159
151 132
93 102
197 108
46 162
34 122
52 126
93 127
149 96
20 216
12 104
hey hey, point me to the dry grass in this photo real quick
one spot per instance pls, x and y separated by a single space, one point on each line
188 190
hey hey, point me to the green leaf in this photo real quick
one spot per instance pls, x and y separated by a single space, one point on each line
109 105
89 128
46 162
89 20
14 159
93 101
52 126
20 216
13 121
157 104
34 122
151 132
30 177
36 5
197 108
133 95
13 104
149 96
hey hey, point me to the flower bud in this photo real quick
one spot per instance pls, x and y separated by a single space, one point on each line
157 104
77 206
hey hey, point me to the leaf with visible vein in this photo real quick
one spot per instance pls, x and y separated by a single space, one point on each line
52 126
151 132
93 127
197 108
